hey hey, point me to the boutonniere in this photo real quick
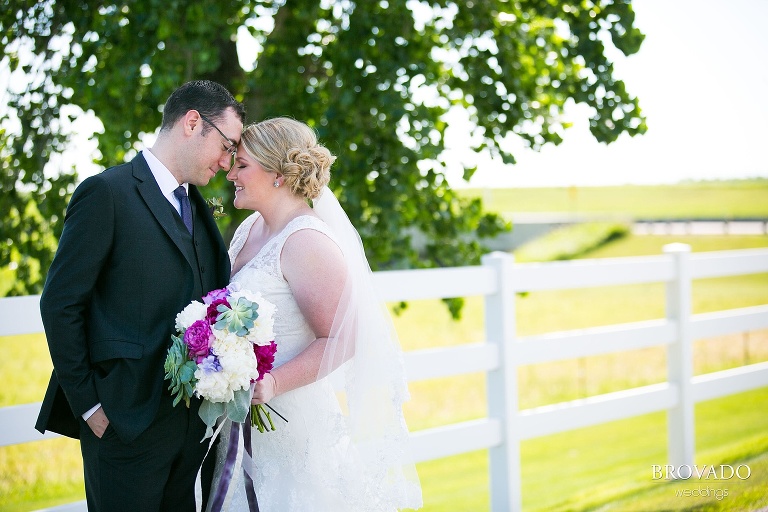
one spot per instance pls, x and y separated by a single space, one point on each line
216 206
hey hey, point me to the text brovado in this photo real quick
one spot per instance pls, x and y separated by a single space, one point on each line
703 472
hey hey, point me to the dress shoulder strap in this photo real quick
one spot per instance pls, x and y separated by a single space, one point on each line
240 236
305 222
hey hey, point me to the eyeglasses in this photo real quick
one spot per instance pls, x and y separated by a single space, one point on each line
231 146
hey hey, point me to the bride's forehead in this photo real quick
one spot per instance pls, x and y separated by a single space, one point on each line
244 158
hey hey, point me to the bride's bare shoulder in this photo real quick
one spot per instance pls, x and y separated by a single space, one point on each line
309 251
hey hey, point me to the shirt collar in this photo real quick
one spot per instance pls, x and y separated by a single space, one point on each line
162 175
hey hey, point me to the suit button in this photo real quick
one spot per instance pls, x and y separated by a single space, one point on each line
197 243
202 270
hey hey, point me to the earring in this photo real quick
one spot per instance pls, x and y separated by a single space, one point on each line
276 184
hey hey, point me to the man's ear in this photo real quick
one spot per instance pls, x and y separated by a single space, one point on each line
191 122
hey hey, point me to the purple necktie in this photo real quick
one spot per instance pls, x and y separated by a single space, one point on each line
186 207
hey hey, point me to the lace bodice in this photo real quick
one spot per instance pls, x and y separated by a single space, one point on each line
268 258
264 274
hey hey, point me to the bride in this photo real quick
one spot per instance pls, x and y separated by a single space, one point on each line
337 452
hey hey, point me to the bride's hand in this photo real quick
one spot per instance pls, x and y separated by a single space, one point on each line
264 390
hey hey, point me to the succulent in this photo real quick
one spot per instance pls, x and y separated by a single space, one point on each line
239 318
180 370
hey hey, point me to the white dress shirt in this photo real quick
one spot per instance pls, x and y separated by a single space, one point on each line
164 179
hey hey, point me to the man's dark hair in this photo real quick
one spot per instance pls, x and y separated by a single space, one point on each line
209 98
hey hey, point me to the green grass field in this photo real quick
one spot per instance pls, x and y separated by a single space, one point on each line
727 200
580 470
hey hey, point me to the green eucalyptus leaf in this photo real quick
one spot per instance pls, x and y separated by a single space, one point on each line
237 409
209 412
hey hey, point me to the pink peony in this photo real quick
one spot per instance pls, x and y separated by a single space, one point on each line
198 338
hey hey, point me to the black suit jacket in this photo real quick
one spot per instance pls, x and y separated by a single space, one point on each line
122 272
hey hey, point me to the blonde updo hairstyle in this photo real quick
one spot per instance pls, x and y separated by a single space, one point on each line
289 147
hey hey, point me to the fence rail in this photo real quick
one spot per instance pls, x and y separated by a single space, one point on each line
498 279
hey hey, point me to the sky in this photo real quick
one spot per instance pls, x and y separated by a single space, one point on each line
702 79
701 76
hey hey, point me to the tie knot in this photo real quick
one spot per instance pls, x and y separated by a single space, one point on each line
180 192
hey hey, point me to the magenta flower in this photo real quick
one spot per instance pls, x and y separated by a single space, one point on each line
265 357
198 338
212 312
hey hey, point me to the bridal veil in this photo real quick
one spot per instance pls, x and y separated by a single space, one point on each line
363 354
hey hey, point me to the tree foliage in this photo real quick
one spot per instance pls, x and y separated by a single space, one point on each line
375 79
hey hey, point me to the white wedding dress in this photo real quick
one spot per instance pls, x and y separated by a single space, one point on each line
305 464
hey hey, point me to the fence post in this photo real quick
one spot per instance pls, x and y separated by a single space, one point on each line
680 419
505 474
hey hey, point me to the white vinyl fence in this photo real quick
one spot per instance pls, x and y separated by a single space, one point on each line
499 279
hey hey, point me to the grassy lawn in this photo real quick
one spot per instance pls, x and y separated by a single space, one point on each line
42 474
578 470
582 470
727 200
726 496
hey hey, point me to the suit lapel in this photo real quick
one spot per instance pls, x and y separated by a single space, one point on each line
204 212
158 204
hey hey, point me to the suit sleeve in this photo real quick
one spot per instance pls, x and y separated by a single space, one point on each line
83 252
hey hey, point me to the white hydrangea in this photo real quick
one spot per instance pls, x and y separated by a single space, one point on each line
263 332
192 313
213 386
240 370
224 340
238 362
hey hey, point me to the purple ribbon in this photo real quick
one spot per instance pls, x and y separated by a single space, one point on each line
229 468
250 490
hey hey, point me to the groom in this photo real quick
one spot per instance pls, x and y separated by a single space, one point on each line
139 243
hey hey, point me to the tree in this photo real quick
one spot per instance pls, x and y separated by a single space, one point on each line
374 78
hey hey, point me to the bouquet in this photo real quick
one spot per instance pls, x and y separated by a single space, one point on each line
222 346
